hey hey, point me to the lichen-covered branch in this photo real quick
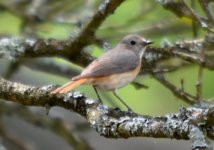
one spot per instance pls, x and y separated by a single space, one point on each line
193 123
109 122
17 48
71 49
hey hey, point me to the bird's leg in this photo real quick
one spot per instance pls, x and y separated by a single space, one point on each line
116 95
96 91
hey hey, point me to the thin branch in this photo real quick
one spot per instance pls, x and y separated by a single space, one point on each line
186 50
196 17
178 92
199 86
205 6
181 9
194 24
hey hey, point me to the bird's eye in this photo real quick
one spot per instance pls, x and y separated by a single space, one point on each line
132 42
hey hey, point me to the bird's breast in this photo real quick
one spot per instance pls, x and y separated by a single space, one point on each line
116 81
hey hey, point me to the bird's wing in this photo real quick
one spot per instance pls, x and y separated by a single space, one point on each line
119 62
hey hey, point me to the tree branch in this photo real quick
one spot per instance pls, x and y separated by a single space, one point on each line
16 48
109 122
178 92
181 9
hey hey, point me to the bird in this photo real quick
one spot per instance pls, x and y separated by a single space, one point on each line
114 69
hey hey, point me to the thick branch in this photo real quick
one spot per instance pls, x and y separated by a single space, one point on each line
17 48
108 122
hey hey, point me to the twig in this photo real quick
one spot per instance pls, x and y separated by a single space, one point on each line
178 92
205 6
181 9
199 84
194 24
196 17
184 53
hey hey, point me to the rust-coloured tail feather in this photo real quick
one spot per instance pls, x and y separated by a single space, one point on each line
69 86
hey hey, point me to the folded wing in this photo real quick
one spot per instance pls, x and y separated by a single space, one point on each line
108 64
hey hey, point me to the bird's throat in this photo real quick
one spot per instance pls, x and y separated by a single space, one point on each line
142 52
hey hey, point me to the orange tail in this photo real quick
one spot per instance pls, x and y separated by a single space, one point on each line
69 86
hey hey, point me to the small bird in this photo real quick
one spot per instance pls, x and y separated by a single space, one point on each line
114 69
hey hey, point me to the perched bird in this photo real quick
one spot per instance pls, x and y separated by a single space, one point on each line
114 69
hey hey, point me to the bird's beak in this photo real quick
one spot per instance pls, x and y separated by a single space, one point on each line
148 42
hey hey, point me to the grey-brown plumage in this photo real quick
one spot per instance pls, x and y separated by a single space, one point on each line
125 57
114 69
110 64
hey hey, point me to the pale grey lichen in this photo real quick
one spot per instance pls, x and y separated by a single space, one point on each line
89 101
102 7
131 126
77 94
106 46
47 87
105 118
165 2
162 1
172 124
103 108
204 24
30 41
67 97
11 48
196 47
193 46
19 87
166 43
150 57
197 138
